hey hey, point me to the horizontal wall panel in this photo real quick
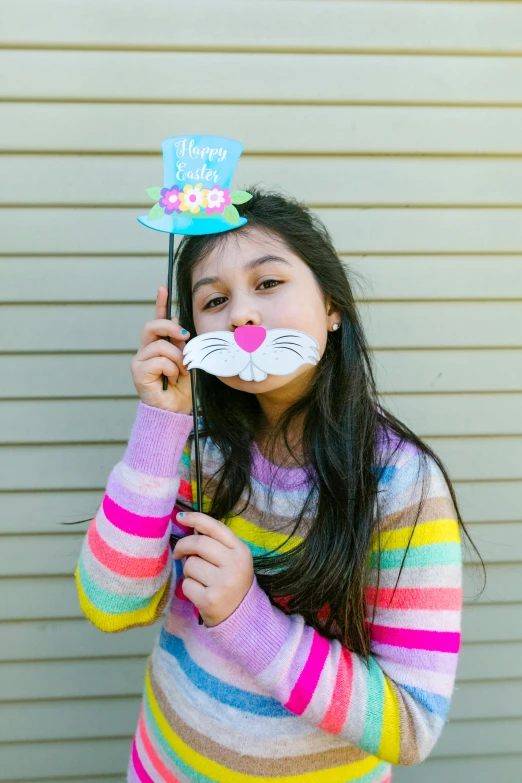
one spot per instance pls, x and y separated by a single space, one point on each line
118 327
489 501
270 78
454 770
75 467
475 661
493 622
88 421
469 459
43 512
118 716
91 375
72 679
488 504
456 414
95 757
462 738
55 597
139 128
444 370
383 278
324 26
45 230
85 180
37 640
96 718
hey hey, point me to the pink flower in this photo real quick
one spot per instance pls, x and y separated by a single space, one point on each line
217 200
170 200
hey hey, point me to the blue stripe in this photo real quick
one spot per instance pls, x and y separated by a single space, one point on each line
384 473
434 702
214 687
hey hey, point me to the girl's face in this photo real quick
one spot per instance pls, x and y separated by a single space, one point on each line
254 279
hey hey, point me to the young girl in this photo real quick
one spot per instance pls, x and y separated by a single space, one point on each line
327 567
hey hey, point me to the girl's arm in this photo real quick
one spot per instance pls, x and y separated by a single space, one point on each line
396 707
124 571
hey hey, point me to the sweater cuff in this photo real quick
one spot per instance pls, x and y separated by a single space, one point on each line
255 632
157 440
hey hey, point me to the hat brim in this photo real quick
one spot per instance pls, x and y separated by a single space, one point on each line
177 224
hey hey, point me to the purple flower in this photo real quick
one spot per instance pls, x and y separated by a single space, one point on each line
170 200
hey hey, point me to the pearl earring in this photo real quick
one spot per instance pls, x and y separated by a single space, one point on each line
335 327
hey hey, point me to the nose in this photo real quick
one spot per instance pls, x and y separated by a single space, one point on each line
250 338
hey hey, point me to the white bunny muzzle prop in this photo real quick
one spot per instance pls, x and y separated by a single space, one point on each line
252 352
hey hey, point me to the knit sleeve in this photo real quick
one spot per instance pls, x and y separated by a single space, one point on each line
395 707
124 571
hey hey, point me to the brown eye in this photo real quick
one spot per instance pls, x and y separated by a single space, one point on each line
265 282
212 302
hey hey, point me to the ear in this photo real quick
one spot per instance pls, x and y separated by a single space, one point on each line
334 317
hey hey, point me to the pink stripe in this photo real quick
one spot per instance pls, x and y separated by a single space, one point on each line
305 686
119 563
155 760
335 716
136 525
440 641
138 766
439 598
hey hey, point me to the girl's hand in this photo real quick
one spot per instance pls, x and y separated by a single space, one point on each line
157 357
221 574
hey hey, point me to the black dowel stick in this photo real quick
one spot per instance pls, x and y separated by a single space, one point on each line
192 383
169 296
199 498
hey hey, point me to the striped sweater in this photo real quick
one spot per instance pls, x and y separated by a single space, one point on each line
263 695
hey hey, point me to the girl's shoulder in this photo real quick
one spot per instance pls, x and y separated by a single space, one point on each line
409 477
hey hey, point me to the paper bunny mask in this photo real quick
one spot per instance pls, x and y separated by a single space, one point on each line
252 352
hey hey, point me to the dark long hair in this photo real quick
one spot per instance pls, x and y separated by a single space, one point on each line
340 417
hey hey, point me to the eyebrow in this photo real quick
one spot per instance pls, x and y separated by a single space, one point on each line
252 264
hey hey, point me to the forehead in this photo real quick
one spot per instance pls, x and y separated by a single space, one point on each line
235 248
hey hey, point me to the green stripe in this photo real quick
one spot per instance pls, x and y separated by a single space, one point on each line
108 602
185 460
426 555
371 736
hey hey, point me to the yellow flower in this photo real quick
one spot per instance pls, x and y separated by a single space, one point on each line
192 199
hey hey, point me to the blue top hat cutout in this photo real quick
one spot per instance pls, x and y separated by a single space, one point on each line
196 196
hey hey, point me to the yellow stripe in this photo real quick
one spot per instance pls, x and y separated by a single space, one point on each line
390 747
252 533
222 774
440 531
111 623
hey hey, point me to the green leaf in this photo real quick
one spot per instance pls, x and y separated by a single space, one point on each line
154 193
156 212
240 196
231 214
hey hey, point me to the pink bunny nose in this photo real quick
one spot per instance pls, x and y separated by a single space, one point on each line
249 338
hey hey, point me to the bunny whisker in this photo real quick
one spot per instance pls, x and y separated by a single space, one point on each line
221 348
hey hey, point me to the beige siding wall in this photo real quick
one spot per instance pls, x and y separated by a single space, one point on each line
401 124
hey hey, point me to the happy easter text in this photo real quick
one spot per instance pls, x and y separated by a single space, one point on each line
187 148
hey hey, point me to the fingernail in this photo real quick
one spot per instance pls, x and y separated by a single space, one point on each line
184 331
181 514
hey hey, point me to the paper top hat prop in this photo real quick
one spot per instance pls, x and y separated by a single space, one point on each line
196 197
252 352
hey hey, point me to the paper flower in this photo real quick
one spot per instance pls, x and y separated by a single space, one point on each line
193 198
170 200
217 200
